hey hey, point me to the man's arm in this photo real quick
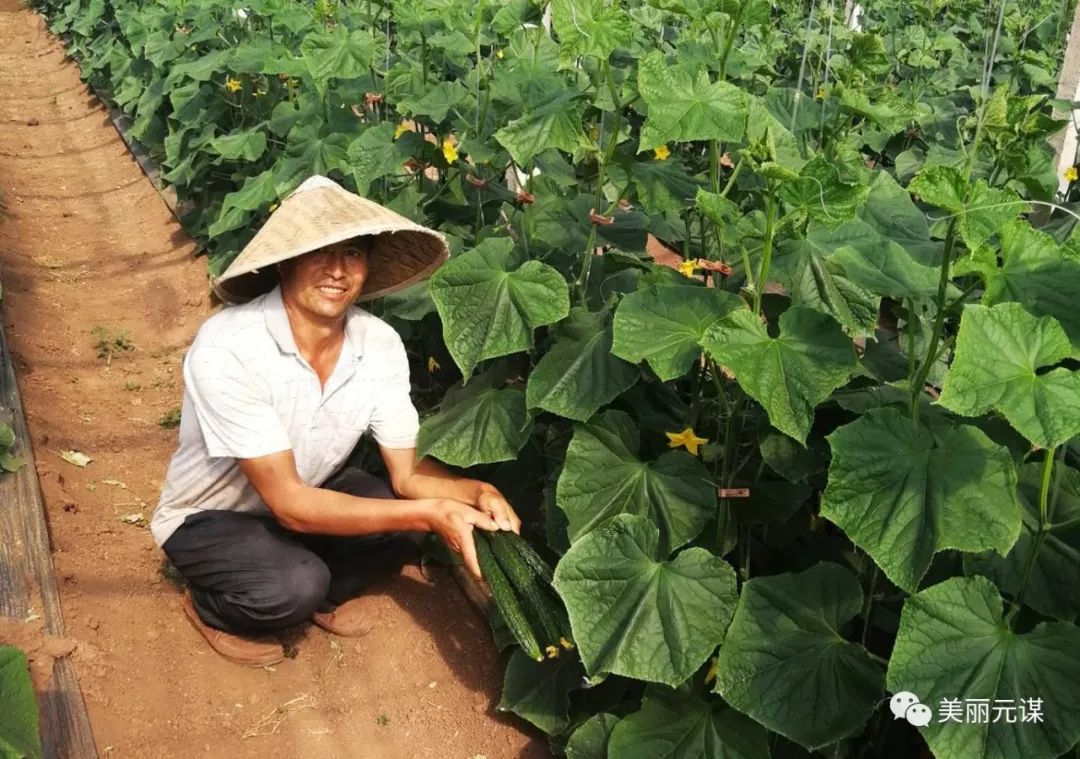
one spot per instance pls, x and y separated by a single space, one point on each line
430 479
303 508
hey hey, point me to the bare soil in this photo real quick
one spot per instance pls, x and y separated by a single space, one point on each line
89 253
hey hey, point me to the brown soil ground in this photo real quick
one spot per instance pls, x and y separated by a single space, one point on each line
86 242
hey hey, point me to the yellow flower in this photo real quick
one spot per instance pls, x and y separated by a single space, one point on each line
711 674
1071 174
432 365
449 151
820 94
402 128
686 268
233 85
687 439
499 54
662 153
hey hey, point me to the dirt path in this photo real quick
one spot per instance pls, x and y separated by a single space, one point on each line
85 243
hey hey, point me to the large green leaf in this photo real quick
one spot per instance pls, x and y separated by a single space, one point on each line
540 691
1002 357
200 68
590 27
257 192
604 477
665 325
821 195
874 262
891 213
1033 271
1053 586
904 490
663 185
679 723
813 281
489 309
579 374
239 146
785 662
635 614
436 102
311 150
590 740
554 123
373 155
953 646
338 53
479 423
19 736
790 374
685 105
982 214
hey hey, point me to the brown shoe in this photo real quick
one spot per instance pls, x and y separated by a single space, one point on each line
249 651
348 620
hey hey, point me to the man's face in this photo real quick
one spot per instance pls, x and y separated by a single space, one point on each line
325 282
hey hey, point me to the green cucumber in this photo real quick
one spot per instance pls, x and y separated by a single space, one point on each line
502 593
531 557
538 598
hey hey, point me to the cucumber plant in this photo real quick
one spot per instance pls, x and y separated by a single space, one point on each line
828 456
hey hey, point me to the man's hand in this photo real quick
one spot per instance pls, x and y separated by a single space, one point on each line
428 478
491 502
453 522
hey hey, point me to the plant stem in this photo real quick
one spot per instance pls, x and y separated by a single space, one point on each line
695 391
766 256
1040 536
869 603
731 39
747 546
723 422
605 158
586 264
731 179
714 164
943 281
939 320
476 39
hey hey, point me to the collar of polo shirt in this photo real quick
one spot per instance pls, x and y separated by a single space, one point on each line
277 322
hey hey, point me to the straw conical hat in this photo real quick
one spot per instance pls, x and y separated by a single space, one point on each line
321 212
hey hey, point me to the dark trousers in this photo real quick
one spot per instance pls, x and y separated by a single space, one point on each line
248 574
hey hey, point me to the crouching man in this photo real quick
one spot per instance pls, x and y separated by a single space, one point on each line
259 512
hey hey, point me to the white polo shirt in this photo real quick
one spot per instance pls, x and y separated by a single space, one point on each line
248 392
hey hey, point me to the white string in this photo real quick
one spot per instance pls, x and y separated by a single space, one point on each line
1055 206
573 20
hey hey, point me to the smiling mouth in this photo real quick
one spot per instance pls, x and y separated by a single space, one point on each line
332 290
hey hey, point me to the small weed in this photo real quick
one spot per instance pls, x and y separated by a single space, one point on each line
170 419
132 386
108 347
382 719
